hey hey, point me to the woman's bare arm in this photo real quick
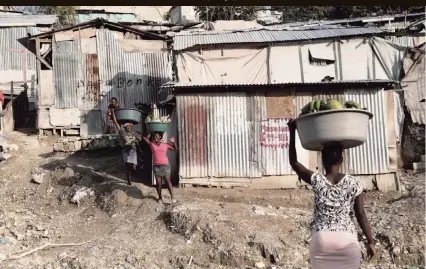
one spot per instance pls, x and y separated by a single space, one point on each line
146 139
115 119
304 173
173 145
361 217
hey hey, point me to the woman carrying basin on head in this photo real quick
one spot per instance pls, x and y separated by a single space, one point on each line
128 140
334 243
161 162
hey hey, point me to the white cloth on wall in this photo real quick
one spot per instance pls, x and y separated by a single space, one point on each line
248 68
390 55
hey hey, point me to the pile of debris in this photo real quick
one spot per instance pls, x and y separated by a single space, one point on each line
6 149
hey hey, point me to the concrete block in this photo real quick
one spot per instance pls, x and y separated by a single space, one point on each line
84 144
77 145
66 147
367 182
58 147
386 182
418 166
71 146
275 182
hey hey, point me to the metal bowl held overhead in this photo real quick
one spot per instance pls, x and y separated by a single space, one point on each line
346 126
156 126
128 115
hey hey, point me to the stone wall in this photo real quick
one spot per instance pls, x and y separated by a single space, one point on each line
73 144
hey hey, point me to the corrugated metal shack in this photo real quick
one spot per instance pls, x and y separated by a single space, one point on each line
238 89
92 62
393 23
18 63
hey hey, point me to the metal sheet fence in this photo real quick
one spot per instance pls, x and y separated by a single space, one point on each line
130 77
229 135
68 74
12 46
372 156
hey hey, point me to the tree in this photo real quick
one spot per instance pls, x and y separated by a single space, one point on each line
214 13
66 14
303 13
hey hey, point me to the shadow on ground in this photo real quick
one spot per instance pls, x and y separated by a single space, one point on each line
103 169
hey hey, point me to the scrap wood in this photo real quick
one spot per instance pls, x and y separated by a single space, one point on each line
52 245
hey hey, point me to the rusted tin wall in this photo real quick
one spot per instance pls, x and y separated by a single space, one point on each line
88 80
130 77
213 135
231 135
236 134
92 95
67 74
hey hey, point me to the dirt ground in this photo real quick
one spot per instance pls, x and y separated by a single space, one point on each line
116 226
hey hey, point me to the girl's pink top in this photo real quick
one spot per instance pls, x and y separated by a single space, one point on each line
159 153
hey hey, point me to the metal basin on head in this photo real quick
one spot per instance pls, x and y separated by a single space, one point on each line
346 126
128 115
156 126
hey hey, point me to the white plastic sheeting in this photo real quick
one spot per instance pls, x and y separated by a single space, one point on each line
249 65
322 53
414 85
284 63
390 55
353 59
399 114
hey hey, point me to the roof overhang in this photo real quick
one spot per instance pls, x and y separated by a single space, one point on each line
192 87
105 23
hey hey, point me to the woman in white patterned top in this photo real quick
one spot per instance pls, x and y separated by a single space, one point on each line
334 243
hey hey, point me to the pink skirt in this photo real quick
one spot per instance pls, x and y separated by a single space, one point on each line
334 250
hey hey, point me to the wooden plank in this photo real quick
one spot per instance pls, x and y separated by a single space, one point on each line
47 52
391 131
38 66
280 105
11 92
44 61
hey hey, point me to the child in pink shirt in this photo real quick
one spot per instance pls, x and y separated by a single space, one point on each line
161 162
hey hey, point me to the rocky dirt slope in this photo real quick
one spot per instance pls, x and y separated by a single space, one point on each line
81 201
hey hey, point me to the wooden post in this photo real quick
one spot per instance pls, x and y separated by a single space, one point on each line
11 92
38 69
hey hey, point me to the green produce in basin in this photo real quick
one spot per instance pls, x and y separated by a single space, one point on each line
352 104
321 105
333 104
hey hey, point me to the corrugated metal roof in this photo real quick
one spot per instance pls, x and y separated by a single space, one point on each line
186 40
7 20
107 24
342 21
107 16
352 82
